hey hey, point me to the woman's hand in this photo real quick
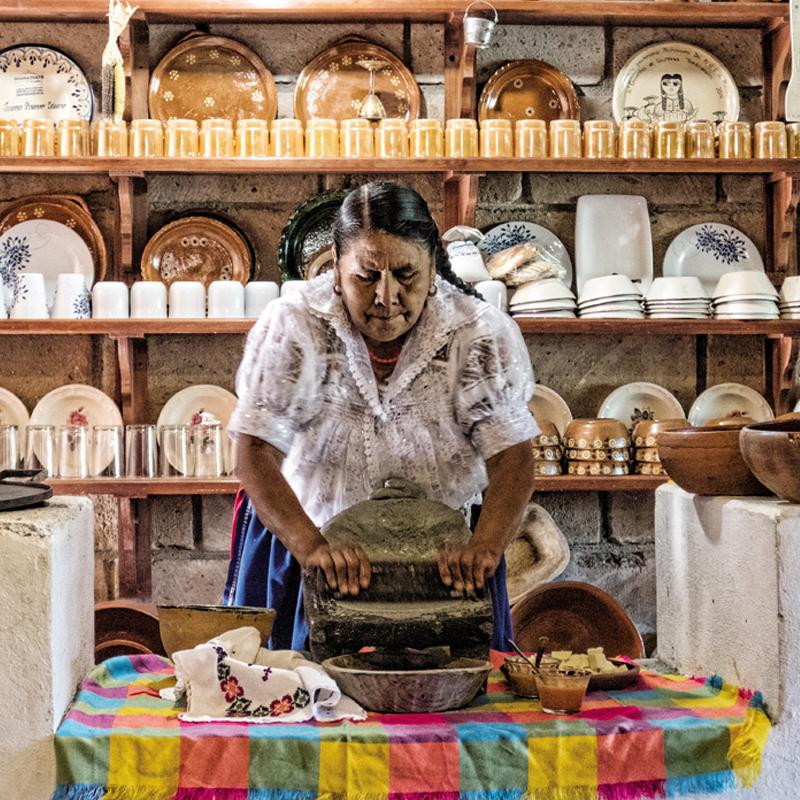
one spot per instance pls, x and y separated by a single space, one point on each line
346 567
466 566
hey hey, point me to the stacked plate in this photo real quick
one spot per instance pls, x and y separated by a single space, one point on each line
548 298
610 297
789 298
745 295
645 442
547 450
597 447
677 298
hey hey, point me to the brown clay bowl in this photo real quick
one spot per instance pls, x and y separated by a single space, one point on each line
548 435
707 461
596 434
125 627
729 422
645 432
772 451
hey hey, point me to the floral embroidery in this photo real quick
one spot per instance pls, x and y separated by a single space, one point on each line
267 673
231 689
284 705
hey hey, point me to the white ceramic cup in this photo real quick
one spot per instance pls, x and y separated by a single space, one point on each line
72 297
494 293
790 291
187 300
467 262
258 295
110 300
287 287
30 300
226 300
148 300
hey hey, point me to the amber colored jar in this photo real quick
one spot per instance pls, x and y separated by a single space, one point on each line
251 139
9 137
110 138
216 138
286 138
426 139
72 138
599 139
793 139
391 138
38 138
146 138
461 138
634 139
530 138
497 138
180 139
565 138
700 140
770 139
357 139
735 140
670 140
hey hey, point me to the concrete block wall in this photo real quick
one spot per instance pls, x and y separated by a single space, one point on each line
611 535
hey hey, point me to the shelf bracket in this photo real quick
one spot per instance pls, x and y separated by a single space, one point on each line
780 358
134 44
133 548
776 45
783 197
132 359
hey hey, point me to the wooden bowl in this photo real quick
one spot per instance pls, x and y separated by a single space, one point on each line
772 451
575 616
707 461
645 432
596 434
418 691
184 627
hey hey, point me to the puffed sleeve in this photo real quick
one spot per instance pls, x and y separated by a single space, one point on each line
278 381
494 382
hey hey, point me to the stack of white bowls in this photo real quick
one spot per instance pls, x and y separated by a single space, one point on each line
677 298
790 298
545 299
745 294
610 297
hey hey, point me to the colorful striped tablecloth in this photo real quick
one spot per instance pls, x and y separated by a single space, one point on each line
665 736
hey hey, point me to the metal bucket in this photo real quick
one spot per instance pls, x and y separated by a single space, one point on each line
478 30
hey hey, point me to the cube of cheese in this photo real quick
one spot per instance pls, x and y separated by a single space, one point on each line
561 655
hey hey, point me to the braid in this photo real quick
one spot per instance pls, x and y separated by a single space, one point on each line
446 272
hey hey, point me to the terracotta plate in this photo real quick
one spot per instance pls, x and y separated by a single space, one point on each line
333 84
125 627
196 249
212 76
529 89
575 616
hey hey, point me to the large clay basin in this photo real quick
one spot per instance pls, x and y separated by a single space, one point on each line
772 451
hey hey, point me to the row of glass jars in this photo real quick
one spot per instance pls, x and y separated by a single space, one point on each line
392 138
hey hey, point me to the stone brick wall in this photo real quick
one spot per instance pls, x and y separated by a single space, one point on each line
611 535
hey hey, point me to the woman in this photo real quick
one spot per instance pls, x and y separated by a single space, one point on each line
387 366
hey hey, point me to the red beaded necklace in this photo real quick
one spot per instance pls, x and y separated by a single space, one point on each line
379 360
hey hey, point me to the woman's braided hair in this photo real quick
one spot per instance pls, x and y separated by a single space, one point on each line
397 210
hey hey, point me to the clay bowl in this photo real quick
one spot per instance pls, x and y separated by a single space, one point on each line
707 461
772 451
520 677
548 435
729 422
184 627
419 691
596 434
575 616
645 432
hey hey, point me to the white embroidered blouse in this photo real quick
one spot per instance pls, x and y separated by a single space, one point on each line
458 396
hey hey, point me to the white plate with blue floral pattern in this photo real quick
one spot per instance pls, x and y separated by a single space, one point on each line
510 234
709 250
43 83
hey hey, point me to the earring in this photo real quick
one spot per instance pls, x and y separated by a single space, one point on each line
337 289
432 291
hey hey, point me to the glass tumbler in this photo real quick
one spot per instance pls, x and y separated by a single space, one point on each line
181 138
391 138
216 138
700 140
72 137
426 138
73 451
38 138
140 451
497 138
110 138
670 140
735 140
565 138
207 449
599 139
793 139
40 446
146 138
252 138
9 450
286 140
634 139
770 139
9 137
322 138
107 451
357 139
173 458
530 139
560 693
461 138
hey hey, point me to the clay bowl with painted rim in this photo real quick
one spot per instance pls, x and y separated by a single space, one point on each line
596 434
546 469
708 461
772 451
617 455
645 432
642 468
598 468
548 435
551 453
646 455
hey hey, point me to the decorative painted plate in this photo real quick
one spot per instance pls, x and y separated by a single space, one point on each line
729 400
196 249
334 83
212 76
708 250
51 237
675 82
195 404
528 89
634 402
42 82
509 234
306 240
13 412
547 405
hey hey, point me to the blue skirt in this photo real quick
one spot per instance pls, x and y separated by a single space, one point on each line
263 573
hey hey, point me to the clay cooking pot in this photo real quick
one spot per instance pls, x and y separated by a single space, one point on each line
772 451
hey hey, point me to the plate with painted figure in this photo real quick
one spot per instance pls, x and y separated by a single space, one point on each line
708 251
729 400
638 401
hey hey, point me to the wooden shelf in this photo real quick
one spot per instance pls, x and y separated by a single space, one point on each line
288 166
722 14
138 328
574 483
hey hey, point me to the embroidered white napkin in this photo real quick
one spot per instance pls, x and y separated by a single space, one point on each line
231 677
